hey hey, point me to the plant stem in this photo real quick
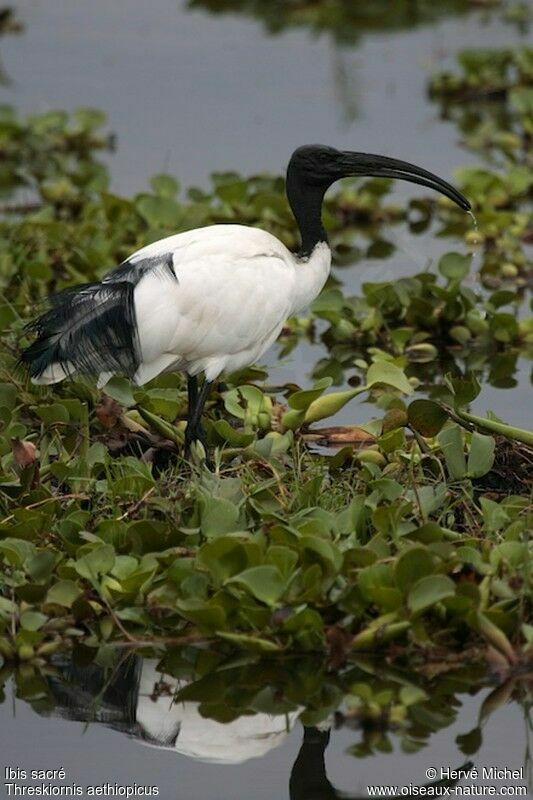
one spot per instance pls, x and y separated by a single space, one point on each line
501 428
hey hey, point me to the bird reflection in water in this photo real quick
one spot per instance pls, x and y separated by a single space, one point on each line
139 701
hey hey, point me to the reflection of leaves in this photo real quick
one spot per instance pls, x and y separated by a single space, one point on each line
469 743
346 21
9 23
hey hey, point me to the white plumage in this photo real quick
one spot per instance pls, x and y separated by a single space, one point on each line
235 286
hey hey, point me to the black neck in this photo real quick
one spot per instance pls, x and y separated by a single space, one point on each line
305 201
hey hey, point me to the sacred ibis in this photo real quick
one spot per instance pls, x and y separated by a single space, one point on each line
209 300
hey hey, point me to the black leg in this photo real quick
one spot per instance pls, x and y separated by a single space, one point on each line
192 395
194 431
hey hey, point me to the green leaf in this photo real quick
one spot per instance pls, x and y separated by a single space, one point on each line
227 433
329 404
40 566
159 212
63 593
494 515
97 562
165 402
265 582
426 417
464 389
481 456
412 565
8 395
120 390
164 185
388 373
17 551
429 590
455 266
283 558
302 399
33 620
227 556
451 442
218 516
56 412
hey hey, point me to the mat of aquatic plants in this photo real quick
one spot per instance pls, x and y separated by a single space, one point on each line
406 532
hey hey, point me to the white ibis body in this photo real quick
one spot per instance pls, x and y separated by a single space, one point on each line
208 300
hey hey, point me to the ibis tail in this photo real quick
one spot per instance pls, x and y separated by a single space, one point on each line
89 329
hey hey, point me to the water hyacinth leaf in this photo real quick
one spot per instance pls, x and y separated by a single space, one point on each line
292 419
218 516
302 399
388 373
227 434
283 558
481 455
325 551
451 442
164 402
426 417
55 412
265 582
98 561
40 566
208 617
226 556
120 390
455 266
159 212
329 404
412 565
494 515
8 395
17 551
464 390
164 185
376 583
249 404
33 620
512 553
428 591
63 593
429 498
271 445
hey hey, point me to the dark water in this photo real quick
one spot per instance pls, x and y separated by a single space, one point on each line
192 93
128 730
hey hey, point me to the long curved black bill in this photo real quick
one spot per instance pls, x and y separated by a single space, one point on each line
369 165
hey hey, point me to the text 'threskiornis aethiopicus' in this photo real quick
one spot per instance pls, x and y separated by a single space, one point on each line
209 300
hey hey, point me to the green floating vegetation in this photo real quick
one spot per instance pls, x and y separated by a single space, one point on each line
410 538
